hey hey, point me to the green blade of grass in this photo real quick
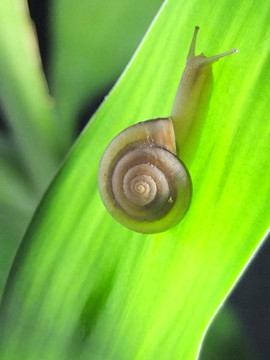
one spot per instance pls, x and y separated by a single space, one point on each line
24 95
82 286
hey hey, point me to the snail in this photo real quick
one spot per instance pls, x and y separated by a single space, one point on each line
142 182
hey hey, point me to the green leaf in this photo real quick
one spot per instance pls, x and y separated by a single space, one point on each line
13 223
17 202
24 94
92 42
82 286
30 152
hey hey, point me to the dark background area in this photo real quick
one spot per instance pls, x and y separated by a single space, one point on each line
250 298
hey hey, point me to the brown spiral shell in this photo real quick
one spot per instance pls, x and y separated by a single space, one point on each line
142 183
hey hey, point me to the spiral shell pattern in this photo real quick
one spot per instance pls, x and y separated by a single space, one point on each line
144 186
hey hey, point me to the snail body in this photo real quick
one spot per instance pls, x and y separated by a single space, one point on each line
142 182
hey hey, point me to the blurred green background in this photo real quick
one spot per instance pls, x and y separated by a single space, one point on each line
241 330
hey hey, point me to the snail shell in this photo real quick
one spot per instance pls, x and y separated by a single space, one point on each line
142 182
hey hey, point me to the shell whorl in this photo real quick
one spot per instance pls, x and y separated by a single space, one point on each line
142 182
